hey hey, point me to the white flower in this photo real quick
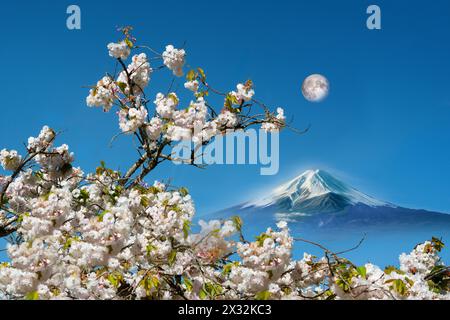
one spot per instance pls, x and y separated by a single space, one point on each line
280 115
119 50
10 159
131 119
275 123
192 85
76 193
139 71
177 133
174 59
43 141
245 92
154 128
227 120
269 127
103 94
166 105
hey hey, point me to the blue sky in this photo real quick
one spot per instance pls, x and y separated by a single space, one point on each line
385 128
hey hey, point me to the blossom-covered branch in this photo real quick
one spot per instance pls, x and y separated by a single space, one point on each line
168 122
111 235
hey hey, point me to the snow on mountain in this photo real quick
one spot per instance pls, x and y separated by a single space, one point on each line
323 209
315 190
319 200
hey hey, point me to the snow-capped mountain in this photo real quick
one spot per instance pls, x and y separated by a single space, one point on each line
322 208
319 200
315 191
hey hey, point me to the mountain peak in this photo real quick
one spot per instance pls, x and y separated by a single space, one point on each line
316 188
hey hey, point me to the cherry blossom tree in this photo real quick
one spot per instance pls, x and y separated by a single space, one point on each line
111 235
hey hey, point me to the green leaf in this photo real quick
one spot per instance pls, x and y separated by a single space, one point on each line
344 285
145 202
215 289
34 295
390 269
399 287
202 74
129 43
228 267
263 295
151 282
237 221
230 101
329 294
211 290
260 239
46 196
149 248
177 209
154 190
84 194
438 244
362 271
115 278
203 294
21 217
183 191
101 215
186 228
202 94
287 290
409 281
188 284
121 85
172 257
191 75
67 244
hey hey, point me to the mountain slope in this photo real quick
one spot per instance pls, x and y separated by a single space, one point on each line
315 191
320 208
317 200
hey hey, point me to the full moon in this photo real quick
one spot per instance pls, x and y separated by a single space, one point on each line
315 88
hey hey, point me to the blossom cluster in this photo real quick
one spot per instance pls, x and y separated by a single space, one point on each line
137 75
89 237
421 276
110 235
119 50
174 59
277 123
9 159
169 120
